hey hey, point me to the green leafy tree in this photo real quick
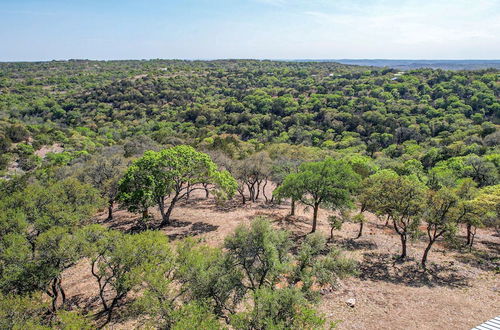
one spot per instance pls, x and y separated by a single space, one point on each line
370 196
175 172
401 198
208 274
22 312
104 173
442 215
260 252
186 170
279 309
57 250
32 312
37 241
68 203
315 264
17 133
119 261
195 315
140 188
327 183
483 210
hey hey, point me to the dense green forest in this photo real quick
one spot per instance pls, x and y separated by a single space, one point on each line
419 149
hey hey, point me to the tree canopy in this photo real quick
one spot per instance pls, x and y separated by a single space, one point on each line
327 183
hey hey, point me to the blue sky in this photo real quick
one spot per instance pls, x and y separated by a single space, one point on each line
272 29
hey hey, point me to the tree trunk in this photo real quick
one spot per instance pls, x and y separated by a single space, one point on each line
472 235
331 233
257 194
361 224
63 293
166 218
207 193
110 209
161 206
403 246
112 306
426 253
54 295
292 211
469 235
251 191
315 217
145 214
101 286
264 191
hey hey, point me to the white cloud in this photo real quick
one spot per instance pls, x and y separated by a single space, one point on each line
440 26
273 2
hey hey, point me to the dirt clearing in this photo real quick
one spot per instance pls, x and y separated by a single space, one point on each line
461 289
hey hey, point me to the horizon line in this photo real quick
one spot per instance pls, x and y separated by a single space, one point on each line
251 59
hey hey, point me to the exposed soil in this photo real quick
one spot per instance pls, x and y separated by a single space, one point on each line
460 291
44 150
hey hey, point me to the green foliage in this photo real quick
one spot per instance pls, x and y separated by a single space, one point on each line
254 283
483 208
17 133
138 186
22 312
425 146
37 243
327 183
24 149
317 265
209 275
68 202
335 222
279 309
72 320
195 315
174 172
120 261
260 251
401 198
31 312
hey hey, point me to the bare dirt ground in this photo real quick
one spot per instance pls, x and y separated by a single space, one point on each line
460 291
44 150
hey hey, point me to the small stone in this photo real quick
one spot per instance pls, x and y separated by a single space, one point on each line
351 302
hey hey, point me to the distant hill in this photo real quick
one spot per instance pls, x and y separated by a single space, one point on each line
417 64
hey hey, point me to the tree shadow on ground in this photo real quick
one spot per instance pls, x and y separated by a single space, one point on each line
291 221
211 204
484 255
179 224
352 244
382 226
121 224
385 267
197 203
86 304
481 259
492 247
140 226
195 229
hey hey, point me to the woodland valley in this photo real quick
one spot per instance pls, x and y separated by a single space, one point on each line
248 194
